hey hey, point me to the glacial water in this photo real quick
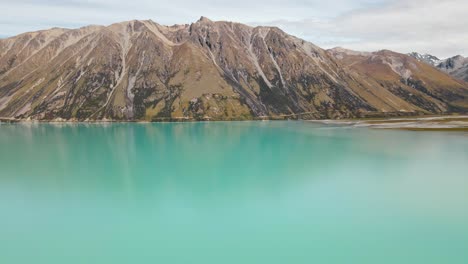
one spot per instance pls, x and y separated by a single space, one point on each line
231 192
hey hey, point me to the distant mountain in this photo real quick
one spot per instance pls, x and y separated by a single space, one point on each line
456 66
427 58
141 70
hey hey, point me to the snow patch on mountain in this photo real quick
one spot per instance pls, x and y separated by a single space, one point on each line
426 58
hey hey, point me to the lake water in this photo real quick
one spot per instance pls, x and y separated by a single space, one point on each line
231 192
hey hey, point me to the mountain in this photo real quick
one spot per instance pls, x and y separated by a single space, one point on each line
456 66
141 70
410 80
427 58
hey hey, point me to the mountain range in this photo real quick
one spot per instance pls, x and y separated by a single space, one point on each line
211 70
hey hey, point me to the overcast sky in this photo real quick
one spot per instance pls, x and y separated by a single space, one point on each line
439 27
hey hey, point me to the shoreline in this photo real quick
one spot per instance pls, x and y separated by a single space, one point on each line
306 116
413 123
421 123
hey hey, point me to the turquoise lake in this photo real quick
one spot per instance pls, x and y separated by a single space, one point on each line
231 192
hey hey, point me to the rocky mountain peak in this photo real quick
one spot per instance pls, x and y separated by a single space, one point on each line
204 20
426 58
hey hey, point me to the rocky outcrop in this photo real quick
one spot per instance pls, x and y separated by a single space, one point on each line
140 70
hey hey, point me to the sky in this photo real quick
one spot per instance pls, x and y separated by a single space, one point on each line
438 27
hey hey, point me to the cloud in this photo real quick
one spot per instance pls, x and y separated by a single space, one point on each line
25 15
431 26
428 26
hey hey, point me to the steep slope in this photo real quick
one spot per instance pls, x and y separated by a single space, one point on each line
140 70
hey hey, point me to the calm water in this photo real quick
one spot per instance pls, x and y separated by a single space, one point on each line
240 192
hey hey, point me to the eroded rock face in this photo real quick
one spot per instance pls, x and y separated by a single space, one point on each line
140 70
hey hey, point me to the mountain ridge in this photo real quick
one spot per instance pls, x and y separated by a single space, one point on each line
208 70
